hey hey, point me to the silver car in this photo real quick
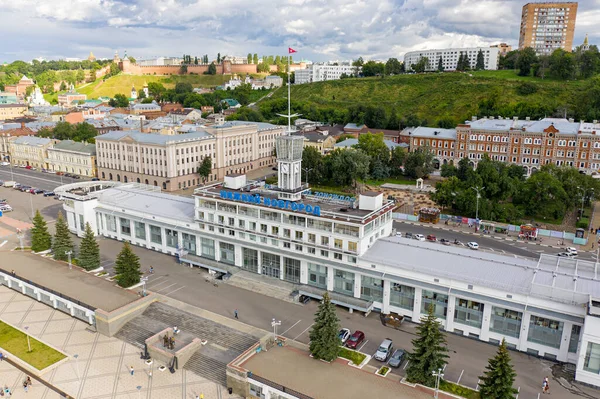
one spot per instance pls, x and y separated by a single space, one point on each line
385 350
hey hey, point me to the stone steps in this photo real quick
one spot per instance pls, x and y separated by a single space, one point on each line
208 368
268 287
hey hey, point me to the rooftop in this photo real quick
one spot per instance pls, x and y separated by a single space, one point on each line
13 105
151 138
32 140
434 132
75 146
564 126
352 142
259 125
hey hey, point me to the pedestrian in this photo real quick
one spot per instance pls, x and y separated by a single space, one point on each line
1 356
235 314
149 373
151 270
29 381
25 386
547 386
131 370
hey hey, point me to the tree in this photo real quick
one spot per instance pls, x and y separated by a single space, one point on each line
183 88
141 94
312 161
562 64
393 123
393 67
345 166
324 340
80 76
63 86
212 69
183 69
218 58
127 267
119 101
480 65
397 160
421 66
62 242
205 168
429 350
131 59
89 251
374 146
357 64
372 68
255 59
525 61
156 90
41 240
589 63
249 58
460 62
195 60
497 381
440 66
419 163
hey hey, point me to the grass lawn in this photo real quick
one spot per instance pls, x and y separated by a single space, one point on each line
355 357
383 370
15 342
459 390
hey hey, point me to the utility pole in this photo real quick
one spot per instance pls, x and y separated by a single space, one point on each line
69 253
478 196
274 324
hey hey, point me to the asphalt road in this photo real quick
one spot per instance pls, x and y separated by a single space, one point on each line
35 178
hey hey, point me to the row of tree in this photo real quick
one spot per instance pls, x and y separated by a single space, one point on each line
429 354
127 264
65 131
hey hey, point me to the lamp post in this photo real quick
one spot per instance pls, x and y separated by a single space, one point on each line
306 170
20 236
76 356
583 198
28 342
144 279
31 202
139 389
69 253
438 375
478 190
274 324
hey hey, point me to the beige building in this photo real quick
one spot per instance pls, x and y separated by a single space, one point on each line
67 99
12 111
171 162
503 47
546 27
30 151
69 156
319 140
8 135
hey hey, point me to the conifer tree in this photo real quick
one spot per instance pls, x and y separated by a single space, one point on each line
497 381
89 251
127 267
440 65
41 240
459 64
480 65
429 351
62 243
324 341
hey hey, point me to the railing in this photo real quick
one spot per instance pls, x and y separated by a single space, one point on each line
279 387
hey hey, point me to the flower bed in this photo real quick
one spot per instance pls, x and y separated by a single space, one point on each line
355 357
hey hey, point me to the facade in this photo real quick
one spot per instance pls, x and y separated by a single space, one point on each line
12 111
322 72
139 109
69 156
67 99
160 61
503 47
318 140
450 57
440 141
548 308
546 27
171 162
20 88
8 135
8 98
30 151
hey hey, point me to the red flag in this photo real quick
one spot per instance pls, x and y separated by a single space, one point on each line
291 50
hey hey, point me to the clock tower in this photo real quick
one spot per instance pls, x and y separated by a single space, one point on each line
289 162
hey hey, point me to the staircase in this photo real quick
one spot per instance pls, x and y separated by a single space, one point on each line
264 285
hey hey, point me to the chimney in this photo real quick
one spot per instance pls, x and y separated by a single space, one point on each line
515 118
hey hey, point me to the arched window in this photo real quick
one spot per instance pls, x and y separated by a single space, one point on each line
156 183
125 179
146 181
103 175
110 176
164 186
118 177
138 180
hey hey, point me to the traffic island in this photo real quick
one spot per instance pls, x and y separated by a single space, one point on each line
15 345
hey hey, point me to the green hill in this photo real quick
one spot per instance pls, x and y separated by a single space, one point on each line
436 96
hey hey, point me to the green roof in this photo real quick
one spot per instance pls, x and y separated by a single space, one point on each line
75 146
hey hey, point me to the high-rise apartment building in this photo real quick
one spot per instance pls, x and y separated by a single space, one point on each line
546 27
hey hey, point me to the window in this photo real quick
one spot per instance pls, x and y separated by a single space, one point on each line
371 289
352 246
574 340
140 230
325 241
324 253
111 223
402 296
468 312
343 282
311 238
337 256
311 250
227 252
317 275
155 235
189 243
250 260
591 362
291 270
171 238
545 331
287 245
438 301
338 244
299 235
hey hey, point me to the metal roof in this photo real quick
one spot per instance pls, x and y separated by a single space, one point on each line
70 145
352 142
32 140
259 125
151 138
434 132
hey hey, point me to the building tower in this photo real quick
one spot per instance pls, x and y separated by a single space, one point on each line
146 92
116 58
289 165
546 27
586 44
133 93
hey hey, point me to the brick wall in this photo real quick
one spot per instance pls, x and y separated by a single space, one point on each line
224 68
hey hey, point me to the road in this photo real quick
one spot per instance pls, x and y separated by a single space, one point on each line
35 178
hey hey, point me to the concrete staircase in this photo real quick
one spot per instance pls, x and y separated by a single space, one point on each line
264 285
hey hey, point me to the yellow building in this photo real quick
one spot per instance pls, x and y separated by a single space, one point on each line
69 156
12 111
30 151
319 140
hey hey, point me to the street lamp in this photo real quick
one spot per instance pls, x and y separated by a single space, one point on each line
77 368
478 196
28 342
274 324
306 170
20 236
144 279
69 253
583 198
439 375
139 389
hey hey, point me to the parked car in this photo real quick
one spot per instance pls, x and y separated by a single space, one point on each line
408 235
76 177
398 234
572 250
445 242
95 179
397 358
1 182
38 191
4 163
24 188
567 254
343 335
32 190
68 175
9 183
48 193
473 245
385 350
431 237
28 167
419 237
6 208
355 339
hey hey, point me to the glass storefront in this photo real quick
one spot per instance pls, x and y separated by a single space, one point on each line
343 282
317 275
469 313
545 331
591 362
189 243
439 302
506 322
271 265
171 238
111 223
125 226
140 230
250 260
227 253
402 296
371 289
292 270
208 247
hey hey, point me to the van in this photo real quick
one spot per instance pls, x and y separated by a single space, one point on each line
385 350
10 183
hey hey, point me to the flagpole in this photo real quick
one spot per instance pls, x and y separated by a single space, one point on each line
289 102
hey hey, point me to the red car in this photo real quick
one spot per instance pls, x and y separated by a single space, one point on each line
355 339
431 237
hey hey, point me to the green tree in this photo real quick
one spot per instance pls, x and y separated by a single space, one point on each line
249 58
421 66
195 60
373 68
419 163
460 63
324 341
183 88
218 58
41 240
525 61
393 123
440 66
429 351
183 69
141 94
393 67
312 162
589 63
80 76
345 166
562 64
119 101
156 90
62 242
255 59
205 168
212 69
89 251
397 160
497 382
480 65
374 146
63 86
127 267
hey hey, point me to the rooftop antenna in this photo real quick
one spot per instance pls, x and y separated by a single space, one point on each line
289 115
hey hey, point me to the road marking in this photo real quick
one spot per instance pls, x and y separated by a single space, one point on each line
164 288
444 369
364 343
3 242
477 386
404 368
38 178
283 333
460 376
518 390
169 293
150 282
303 332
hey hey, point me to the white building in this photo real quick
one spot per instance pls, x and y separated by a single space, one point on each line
159 61
322 72
548 308
450 57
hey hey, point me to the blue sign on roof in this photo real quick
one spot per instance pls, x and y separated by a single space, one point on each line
257 199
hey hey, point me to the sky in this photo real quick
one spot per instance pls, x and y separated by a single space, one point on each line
320 30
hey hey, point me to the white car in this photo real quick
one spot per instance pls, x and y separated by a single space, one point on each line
473 245
571 250
419 237
4 163
343 335
398 234
567 254
6 208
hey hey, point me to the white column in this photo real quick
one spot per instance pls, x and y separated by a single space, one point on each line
259 260
303 272
330 276
281 267
450 313
385 306
163 239
524 331
238 255
357 285
217 251
416 317
485 323
564 342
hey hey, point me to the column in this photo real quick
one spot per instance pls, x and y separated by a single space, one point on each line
71 309
564 341
237 249
524 331
450 313
281 267
385 308
22 286
38 294
416 317
147 235
217 251
485 323
330 276
90 317
303 272
357 285
163 239
259 260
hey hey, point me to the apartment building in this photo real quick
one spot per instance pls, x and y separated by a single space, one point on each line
322 72
70 98
450 57
171 162
69 156
12 111
546 27
528 143
30 151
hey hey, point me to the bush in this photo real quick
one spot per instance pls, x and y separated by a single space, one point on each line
526 88
355 357
583 223
271 180
459 390
383 370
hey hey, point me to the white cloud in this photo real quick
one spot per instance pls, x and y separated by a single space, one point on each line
319 29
